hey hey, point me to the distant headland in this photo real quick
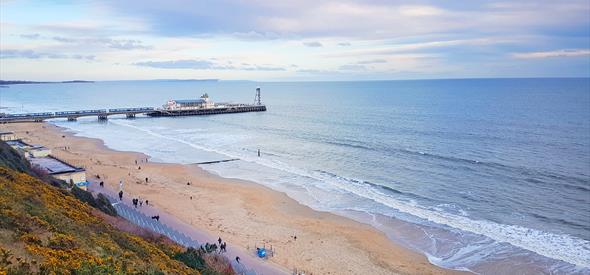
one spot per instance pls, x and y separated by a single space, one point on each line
13 82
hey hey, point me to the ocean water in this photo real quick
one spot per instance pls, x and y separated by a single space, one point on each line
487 175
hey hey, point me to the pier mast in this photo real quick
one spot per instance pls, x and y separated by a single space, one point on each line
257 100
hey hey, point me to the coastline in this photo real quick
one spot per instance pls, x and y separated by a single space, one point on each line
241 212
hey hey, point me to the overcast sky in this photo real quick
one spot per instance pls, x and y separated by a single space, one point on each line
293 40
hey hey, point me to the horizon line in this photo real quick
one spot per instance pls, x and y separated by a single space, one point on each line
83 81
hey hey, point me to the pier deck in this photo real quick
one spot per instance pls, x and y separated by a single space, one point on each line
103 114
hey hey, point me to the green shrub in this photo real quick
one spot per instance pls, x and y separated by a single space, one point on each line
104 205
192 258
101 202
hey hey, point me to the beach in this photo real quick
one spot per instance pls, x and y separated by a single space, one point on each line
243 213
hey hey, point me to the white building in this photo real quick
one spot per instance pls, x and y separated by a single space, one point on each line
7 136
189 104
61 170
28 150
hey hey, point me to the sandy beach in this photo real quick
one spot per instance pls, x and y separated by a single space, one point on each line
243 213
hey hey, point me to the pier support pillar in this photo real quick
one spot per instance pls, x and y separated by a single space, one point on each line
102 117
72 118
130 115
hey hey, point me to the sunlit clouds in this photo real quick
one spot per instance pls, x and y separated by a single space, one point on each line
293 40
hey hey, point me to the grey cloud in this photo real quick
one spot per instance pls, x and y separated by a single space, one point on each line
308 71
344 44
181 64
30 54
126 44
19 54
121 44
373 61
313 44
199 64
262 68
254 35
63 39
353 19
352 67
31 36
86 57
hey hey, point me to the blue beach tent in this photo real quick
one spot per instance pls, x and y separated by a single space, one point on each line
261 252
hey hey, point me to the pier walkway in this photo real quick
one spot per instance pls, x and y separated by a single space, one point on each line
74 115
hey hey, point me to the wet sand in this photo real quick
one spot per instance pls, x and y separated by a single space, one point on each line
245 214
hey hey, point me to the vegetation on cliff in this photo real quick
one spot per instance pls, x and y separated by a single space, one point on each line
47 230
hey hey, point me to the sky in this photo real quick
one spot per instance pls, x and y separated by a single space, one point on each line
293 40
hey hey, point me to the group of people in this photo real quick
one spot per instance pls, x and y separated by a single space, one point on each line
222 245
140 202
141 160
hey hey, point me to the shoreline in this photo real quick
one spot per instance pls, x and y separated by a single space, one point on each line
242 212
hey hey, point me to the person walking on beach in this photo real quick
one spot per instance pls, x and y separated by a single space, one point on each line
140 203
238 259
147 202
258 152
121 195
219 240
146 180
101 184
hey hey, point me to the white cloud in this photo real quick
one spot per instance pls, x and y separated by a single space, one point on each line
420 11
556 53
421 46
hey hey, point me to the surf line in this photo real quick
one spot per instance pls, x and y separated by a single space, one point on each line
216 161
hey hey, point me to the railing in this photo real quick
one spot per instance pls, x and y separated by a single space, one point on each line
82 112
142 109
28 115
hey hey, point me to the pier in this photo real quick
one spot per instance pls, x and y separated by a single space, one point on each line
103 114
201 106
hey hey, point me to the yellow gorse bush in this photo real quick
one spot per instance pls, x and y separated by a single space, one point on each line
66 237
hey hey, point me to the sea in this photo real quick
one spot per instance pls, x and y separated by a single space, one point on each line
486 175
